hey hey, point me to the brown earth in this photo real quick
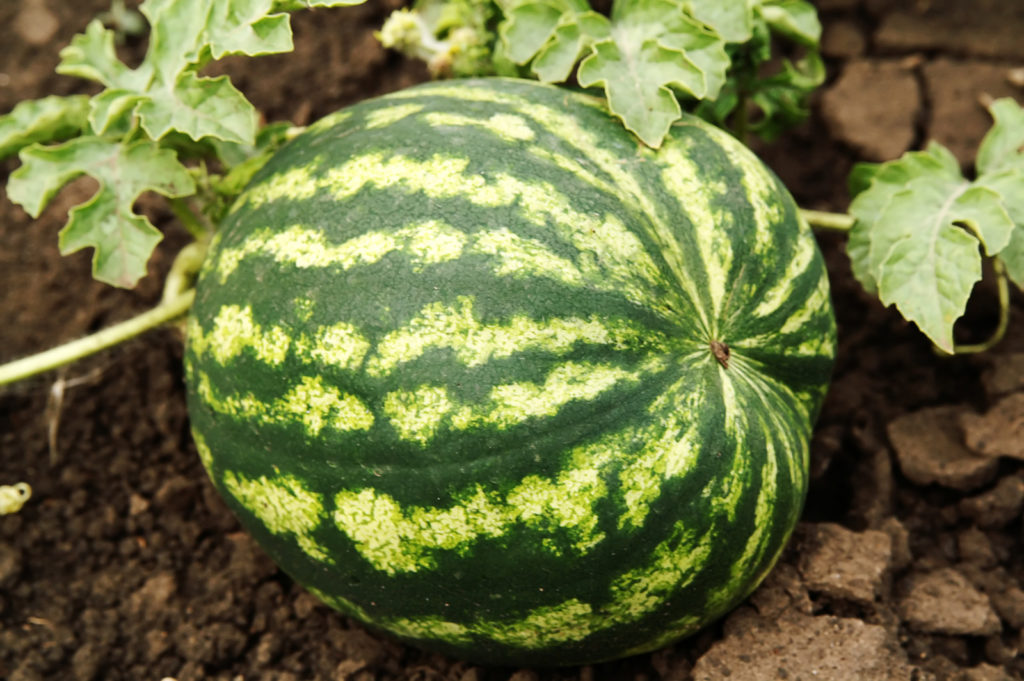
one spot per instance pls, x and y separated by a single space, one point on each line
909 563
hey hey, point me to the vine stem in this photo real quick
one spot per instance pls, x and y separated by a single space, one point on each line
188 218
741 120
101 340
840 222
1003 286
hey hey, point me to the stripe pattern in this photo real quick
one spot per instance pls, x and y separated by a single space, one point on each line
453 363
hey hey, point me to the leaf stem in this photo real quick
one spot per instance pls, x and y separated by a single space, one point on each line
1003 286
840 222
184 269
101 340
741 120
188 218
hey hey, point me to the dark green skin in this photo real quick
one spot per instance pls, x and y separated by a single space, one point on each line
498 580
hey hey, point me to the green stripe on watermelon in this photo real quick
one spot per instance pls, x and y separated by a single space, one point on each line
539 395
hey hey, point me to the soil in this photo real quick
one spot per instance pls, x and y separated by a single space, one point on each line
909 561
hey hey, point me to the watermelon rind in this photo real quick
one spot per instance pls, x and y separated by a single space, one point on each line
479 369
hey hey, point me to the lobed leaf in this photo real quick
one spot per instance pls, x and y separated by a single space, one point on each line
293 5
647 54
919 227
555 61
1000 164
49 119
1013 256
165 92
555 32
654 51
782 97
123 240
1008 184
1003 145
199 107
779 97
793 19
91 55
733 21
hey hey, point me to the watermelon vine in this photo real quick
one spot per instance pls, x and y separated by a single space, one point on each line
719 51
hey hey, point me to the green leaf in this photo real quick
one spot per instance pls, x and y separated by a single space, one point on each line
199 107
782 98
645 56
112 110
1008 183
794 19
265 35
892 176
165 93
653 52
293 5
1003 145
529 26
91 55
1013 257
932 264
733 20
49 119
123 239
880 181
919 226
555 61
860 177
553 33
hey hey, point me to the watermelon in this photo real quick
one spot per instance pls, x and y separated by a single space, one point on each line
478 369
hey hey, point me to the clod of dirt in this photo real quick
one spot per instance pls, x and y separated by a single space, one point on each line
998 432
899 542
359 644
843 39
1010 606
841 563
985 672
249 564
137 504
998 506
175 494
10 563
35 23
826 5
944 602
929 450
523 675
955 92
669 663
157 642
974 546
215 643
879 127
1004 374
152 596
85 663
782 590
347 669
798 646
983 29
